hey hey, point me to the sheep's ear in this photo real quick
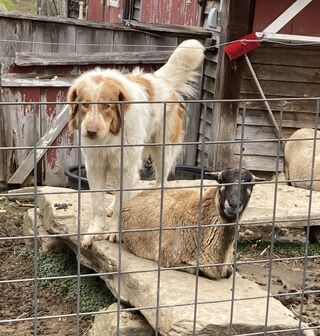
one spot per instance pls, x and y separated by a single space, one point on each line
214 175
258 179
71 98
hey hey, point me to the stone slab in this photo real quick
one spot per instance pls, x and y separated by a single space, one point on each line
139 286
130 324
47 244
292 204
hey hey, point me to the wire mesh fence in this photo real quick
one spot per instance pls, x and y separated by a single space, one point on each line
116 274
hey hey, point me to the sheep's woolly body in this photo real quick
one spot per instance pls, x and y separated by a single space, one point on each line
179 246
298 159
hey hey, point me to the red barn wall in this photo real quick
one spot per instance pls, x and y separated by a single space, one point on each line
305 23
179 12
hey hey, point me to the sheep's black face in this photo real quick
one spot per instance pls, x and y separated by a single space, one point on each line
232 202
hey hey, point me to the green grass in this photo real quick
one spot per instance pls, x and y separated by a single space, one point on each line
94 294
281 248
7 4
23 7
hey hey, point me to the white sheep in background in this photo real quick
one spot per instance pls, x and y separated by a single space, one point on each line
181 208
298 159
298 165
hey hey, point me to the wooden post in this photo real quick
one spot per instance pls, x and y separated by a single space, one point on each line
235 22
3 156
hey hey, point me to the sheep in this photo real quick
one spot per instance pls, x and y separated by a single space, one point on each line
181 209
298 163
298 159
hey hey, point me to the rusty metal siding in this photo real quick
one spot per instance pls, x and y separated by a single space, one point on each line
180 12
100 11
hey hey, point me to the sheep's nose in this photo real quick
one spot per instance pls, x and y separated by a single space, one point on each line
92 133
234 203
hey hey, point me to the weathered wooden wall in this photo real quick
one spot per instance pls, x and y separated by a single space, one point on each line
283 72
39 39
208 91
222 81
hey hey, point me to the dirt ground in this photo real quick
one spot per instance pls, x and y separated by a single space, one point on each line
287 277
16 299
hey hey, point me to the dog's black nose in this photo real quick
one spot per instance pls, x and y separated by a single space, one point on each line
91 134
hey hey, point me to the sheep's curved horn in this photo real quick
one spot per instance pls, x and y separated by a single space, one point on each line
214 175
258 179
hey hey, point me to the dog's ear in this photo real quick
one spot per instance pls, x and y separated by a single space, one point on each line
71 98
116 120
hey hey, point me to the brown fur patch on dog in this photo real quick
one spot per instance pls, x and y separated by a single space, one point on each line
146 84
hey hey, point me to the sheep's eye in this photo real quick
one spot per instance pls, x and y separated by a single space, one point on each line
85 105
105 106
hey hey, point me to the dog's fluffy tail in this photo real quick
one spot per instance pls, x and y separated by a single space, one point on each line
180 70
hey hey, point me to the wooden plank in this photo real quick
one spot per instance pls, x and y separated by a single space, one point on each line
288 105
15 36
136 41
50 135
210 69
56 160
300 57
19 121
235 23
268 149
3 157
22 80
192 126
163 43
289 119
260 163
53 37
208 84
124 57
93 40
284 73
169 29
262 132
283 89
68 21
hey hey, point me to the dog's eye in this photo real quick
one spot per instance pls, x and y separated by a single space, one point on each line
105 106
85 105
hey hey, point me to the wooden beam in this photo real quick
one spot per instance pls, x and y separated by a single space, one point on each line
177 30
235 20
3 156
27 165
130 26
35 80
126 57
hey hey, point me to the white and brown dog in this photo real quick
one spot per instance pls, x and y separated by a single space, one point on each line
100 124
